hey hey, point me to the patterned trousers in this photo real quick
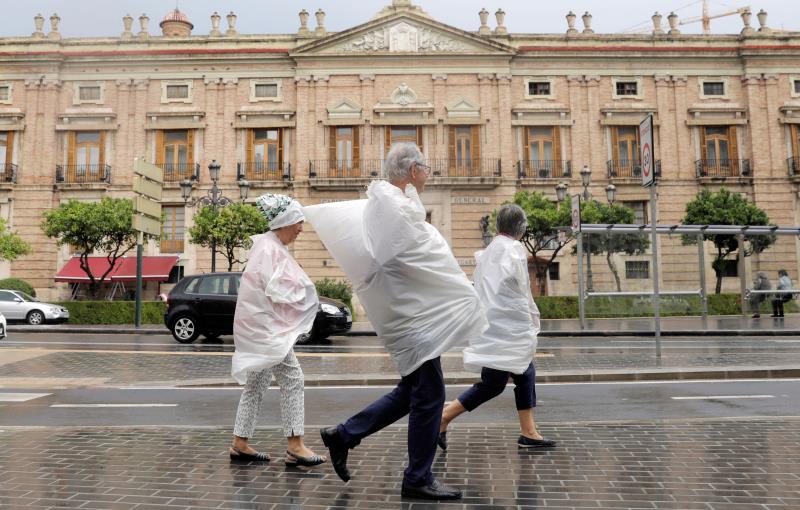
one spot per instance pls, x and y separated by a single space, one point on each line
289 377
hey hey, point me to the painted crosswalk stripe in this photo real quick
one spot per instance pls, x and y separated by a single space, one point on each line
721 397
21 397
114 405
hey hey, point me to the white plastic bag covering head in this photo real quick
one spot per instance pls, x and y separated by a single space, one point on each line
277 303
502 281
280 210
414 292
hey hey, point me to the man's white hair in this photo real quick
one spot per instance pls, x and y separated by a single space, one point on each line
398 161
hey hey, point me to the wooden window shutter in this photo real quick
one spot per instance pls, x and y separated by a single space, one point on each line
356 145
190 148
795 140
280 149
9 148
102 159
160 148
419 138
476 143
71 147
527 141
250 136
703 144
451 143
332 156
556 143
733 147
387 139
614 143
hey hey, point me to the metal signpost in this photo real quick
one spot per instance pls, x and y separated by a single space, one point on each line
147 184
576 229
649 180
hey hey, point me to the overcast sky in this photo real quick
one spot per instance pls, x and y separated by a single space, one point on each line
104 17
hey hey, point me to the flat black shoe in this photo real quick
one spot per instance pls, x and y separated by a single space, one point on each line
293 460
435 490
237 456
337 448
526 442
442 440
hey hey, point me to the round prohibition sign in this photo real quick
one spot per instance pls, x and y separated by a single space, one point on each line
646 160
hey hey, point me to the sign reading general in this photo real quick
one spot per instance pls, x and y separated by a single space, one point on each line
646 148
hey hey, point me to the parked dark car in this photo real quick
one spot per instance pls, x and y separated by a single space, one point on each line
204 304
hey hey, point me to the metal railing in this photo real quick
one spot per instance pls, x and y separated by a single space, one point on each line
464 168
263 171
628 168
544 169
177 172
793 164
722 167
71 174
345 169
8 172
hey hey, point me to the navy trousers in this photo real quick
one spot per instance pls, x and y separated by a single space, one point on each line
419 395
493 382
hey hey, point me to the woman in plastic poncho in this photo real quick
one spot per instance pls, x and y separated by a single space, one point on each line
506 349
277 303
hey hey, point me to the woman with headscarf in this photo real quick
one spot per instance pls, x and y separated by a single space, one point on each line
506 349
784 283
277 303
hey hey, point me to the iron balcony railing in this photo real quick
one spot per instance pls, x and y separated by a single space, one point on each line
8 172
544 169
628 168
345 169
263 171
793 164
177 172
465 168
73 174
722 167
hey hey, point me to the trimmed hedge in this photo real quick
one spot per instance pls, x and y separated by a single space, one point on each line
17 284
113 312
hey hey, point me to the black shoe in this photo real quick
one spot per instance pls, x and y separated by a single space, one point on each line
526 442
434 490
442 441
333 441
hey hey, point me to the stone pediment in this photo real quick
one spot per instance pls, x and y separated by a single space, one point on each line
402 33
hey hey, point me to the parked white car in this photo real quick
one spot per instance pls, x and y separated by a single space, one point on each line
19 306
2 326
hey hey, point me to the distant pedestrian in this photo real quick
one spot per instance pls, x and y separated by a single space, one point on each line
761 282
507 348
277 302
784 283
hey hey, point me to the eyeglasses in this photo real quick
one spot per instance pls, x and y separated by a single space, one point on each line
424 168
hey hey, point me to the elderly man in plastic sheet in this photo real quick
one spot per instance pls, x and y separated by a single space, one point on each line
417 298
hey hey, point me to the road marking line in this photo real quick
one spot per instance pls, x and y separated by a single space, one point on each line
114 405
722 397
21 397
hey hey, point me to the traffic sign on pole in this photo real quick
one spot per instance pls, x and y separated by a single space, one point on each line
146 224
646 149
147 183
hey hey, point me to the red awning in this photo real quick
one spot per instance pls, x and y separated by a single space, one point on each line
153 268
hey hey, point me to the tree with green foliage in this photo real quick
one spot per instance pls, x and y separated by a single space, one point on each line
544 219
12 246
103 227
228 229
726 208
610 244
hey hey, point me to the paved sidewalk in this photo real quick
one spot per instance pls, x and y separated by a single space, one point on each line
682 464
721 325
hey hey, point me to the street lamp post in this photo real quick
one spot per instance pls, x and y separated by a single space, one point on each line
214 199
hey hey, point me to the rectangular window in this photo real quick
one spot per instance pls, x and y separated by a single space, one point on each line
713 88
343 151
265 154
266 90
6 152
795 129
627 88
538 88
464 149
400 134
625 151
796 87
5 93
175 154
637 269
729 268
543 152
720 153
172 231
177 92
553 271
89 93
86 157
639 210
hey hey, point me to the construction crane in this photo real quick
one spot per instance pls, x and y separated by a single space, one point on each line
706 17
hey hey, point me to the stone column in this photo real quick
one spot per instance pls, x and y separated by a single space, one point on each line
684 135
761 163
369 144
227 153
504 132
578 132
305 126
596 132
320 115
121 165
666 129
439 150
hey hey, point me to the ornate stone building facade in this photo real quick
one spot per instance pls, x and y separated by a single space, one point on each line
312 114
